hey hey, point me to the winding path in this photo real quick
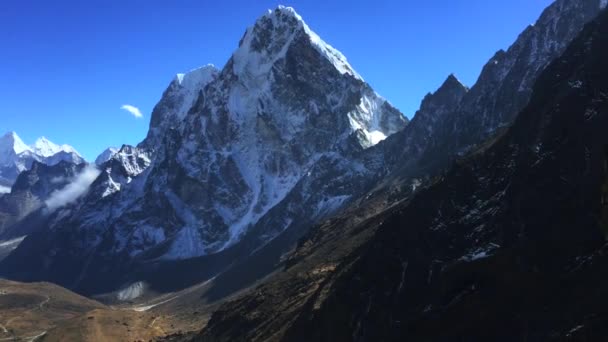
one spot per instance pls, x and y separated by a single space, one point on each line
3 328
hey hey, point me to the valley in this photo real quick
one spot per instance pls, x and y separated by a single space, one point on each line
281 198
43 311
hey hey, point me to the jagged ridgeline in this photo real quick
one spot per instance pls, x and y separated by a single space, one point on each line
508 245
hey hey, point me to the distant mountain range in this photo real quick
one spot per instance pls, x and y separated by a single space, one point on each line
16 156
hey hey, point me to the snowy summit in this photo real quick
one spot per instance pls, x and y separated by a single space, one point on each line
16 156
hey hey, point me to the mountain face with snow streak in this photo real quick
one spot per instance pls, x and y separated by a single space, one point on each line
175 103
516 231
233 158
16 156
447 125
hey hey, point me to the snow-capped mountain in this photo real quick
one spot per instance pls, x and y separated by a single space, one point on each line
16 156
286 134
508 245
106 155
233 158
11 143
440 131
45 148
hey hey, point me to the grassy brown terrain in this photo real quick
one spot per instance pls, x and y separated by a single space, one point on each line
29 310
47 312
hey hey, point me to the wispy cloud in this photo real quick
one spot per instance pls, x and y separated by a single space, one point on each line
71 192
133 110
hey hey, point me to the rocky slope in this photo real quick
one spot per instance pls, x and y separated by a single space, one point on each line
28 311
233 158
44 311
450 125
509 244
28 195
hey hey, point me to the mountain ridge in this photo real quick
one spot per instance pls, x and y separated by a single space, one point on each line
508 244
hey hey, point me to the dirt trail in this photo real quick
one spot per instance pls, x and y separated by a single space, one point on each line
4 330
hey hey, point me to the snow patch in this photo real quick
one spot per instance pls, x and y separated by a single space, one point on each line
480 253
375 137
578 327
367 117
12 242
132 291
416 183
188 243
8 246
191 83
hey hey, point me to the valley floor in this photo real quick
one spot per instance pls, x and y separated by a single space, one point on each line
43 311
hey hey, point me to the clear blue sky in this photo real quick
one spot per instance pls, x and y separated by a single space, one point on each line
66 67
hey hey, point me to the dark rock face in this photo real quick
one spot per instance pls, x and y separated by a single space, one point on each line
509 244
434 112
604 211
501 92
28 194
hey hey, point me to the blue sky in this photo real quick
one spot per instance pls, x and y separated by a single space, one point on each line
67 67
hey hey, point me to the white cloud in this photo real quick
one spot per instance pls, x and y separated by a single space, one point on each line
4 189
133 110
71 192
57 180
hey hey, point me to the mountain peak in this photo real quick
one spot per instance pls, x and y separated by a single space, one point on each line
452 85
106 155
286 10
11 142
268 40
197 76
10 134
43 142
46 148
449 94
452 80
